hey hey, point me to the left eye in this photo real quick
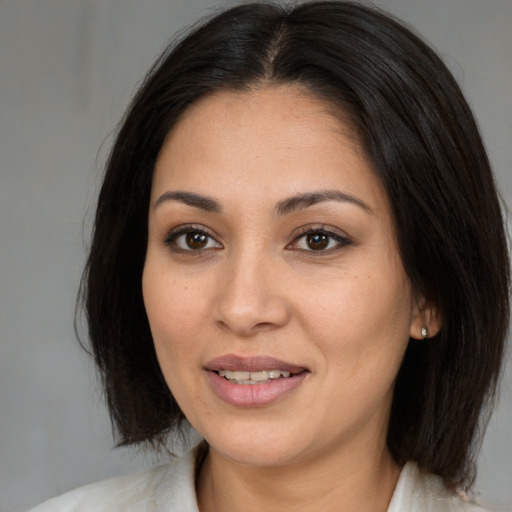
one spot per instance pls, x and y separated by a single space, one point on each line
319 241
192 241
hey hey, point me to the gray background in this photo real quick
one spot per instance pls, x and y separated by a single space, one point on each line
67 71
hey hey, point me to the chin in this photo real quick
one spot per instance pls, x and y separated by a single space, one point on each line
265 447
256 455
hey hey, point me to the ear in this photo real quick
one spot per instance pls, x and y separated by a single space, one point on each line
426 315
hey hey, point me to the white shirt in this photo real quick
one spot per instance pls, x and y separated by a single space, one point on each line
170 488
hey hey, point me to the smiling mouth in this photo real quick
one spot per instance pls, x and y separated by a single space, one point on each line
260 377
253 381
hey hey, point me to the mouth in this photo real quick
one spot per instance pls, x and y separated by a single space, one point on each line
261 377
253 381
253 369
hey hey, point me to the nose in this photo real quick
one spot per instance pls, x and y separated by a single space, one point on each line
252 296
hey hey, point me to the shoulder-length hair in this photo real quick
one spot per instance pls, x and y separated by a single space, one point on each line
426 150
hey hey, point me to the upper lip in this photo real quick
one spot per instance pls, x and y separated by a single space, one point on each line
233 362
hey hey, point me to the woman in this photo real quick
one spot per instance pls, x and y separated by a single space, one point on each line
292 252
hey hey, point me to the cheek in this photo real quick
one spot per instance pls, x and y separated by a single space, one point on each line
174 310
174 302
362 320
363 331
163 307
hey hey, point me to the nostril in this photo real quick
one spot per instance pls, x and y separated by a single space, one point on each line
263 325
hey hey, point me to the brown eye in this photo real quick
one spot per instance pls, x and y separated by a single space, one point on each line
191 240
196 241
317 241
320 241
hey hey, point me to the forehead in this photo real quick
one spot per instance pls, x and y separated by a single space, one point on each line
278 140
287 112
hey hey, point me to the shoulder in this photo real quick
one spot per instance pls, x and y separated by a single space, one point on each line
417 491
169 487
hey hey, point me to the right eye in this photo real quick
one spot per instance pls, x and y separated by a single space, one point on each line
191 240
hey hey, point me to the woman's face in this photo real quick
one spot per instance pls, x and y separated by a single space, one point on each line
276 297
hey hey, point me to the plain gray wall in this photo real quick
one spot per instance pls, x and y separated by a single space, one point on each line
67 71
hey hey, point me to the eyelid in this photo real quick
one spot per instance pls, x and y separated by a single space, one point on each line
183 229
342 240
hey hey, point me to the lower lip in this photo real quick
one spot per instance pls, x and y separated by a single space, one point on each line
253 395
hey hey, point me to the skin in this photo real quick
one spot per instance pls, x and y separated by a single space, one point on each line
345 312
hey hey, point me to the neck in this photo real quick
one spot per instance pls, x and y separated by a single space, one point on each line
362 481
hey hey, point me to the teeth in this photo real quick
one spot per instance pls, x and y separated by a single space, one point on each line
253 377
259 376
239 376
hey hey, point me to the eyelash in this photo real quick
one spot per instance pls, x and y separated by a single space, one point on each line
341 241
172 237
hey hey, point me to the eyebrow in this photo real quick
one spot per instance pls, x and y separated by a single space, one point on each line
302 201
283 207
189 198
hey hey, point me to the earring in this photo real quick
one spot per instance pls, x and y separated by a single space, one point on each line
424 332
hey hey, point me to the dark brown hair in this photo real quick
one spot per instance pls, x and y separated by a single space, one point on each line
426 150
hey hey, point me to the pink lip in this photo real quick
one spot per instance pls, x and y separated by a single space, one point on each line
233 362
252 395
